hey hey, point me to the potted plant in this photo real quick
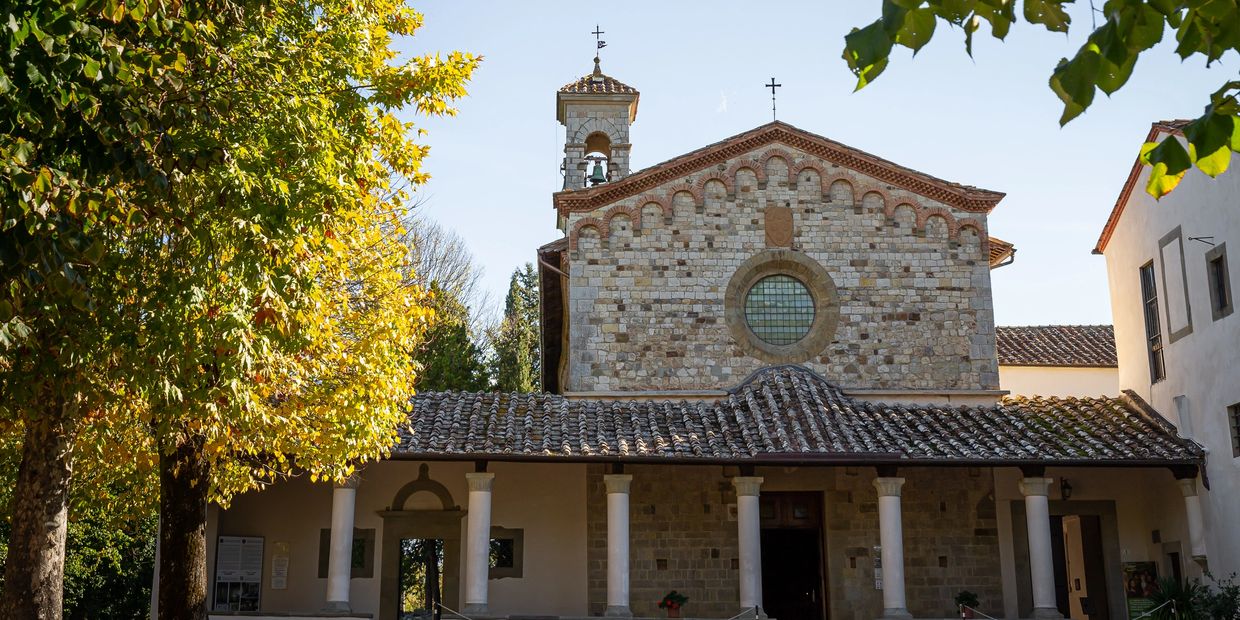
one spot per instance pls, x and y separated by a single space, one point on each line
966 603
672 602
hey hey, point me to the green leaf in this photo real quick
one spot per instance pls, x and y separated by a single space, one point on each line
1168 161
917 30
1073 81
1209 139
1049 13
1112 77
91 69
866 51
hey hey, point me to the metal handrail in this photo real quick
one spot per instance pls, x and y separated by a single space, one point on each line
452 611
961 608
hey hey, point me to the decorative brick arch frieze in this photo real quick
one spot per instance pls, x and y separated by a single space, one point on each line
770 154
924 215
600 227
634 213
758 170
692 190
829 184
700 186
968 222
795 170
665 204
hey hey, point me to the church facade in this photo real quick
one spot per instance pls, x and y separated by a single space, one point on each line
771 385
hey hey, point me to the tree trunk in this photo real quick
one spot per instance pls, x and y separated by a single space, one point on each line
183 481
35 569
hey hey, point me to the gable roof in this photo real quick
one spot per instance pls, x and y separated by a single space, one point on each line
790 414
1174 127
1057 345
965 197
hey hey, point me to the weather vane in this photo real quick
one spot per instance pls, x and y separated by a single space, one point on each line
773 86
598 42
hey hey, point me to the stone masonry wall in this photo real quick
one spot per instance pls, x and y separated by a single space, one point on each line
681 537
648 276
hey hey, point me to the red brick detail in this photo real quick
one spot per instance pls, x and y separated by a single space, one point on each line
664 203
683 187
969 222
795 170
962 197
771 154
828 183
635 216
758 171
700 186
589 222
924 215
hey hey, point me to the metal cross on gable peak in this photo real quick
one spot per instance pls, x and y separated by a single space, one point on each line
773 86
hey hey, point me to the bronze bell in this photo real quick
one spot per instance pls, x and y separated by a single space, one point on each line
597 175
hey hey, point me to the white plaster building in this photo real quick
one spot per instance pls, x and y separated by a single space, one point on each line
771 384
1058 360
1177 336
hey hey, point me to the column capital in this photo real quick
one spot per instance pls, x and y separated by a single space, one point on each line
1188 486
888 486
747 485
480 481
1036 486
618 483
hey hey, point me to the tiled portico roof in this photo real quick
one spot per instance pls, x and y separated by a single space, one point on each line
790 414
1057 345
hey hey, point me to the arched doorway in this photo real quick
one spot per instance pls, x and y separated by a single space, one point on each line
421 549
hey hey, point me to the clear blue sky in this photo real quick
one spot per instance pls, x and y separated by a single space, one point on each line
989 121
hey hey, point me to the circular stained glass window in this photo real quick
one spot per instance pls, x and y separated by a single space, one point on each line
779 309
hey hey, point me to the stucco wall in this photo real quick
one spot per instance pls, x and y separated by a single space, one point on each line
648 276
1059 381
547 501
1203 367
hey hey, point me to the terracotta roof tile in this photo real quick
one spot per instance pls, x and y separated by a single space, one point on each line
599 84
788 413
1057 345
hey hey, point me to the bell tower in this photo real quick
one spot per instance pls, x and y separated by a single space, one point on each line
596 112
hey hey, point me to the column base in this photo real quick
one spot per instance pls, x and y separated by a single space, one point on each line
1046 613
896 614
618 611
475 610
761 615
337 606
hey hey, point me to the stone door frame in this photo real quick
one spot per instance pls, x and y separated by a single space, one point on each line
401 524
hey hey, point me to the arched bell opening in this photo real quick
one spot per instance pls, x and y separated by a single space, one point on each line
598 158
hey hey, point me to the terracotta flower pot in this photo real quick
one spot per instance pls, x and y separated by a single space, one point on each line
673 612
967 613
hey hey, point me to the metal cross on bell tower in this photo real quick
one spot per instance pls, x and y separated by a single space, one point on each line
773 86
599 43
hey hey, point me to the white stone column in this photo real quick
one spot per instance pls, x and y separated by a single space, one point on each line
340 551
1192 510
891 537
749 533
478 543
618 545
1041 565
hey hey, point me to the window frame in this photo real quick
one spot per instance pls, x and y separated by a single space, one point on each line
813 310
821 288
517 536
1218 281
1154 345
1233 424
363 539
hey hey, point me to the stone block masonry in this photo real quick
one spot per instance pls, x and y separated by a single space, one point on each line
648 277
683 538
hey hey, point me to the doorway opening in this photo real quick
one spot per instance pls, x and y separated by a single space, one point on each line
1080 570
421 578
792 555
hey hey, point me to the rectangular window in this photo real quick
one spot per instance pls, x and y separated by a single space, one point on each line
1233 420
1219 282
1153 332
